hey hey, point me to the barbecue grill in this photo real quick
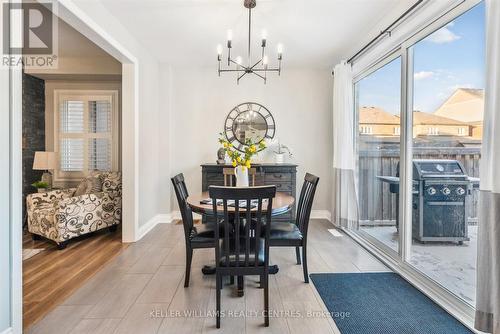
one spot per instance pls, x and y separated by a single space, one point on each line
440 201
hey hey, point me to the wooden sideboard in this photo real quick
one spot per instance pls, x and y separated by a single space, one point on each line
283 176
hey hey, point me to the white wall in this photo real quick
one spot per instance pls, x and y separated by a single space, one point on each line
148 98
5 217
300 101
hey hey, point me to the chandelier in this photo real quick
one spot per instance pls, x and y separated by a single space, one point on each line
259 68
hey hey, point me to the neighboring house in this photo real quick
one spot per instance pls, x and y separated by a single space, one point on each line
377 122
427 124
466 105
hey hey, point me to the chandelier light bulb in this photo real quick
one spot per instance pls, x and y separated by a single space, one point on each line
229 35
219 50
280 49
264 34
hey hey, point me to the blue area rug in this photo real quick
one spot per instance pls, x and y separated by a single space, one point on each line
384 303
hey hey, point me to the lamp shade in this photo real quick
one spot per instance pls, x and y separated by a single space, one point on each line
44 160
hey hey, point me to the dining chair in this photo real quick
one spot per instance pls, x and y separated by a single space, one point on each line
201 236
246 251
294 234
229 175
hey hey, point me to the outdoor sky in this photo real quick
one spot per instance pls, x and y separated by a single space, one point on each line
450 58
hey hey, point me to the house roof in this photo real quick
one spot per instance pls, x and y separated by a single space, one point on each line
424 118
465 104
374 115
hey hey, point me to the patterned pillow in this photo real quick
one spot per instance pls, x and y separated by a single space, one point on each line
89 185
112 182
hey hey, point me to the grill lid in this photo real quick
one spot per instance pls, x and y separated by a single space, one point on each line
432 169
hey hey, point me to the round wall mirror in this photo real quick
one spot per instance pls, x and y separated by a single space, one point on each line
249 123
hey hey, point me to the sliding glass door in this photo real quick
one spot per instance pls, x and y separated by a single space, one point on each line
378 100
448 100
418 161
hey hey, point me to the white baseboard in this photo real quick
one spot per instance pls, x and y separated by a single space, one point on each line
321 214
163 218
8 331
166 218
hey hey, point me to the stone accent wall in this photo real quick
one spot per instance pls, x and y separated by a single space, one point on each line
33 130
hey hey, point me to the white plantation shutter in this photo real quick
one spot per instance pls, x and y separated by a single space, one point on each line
87 134
99 116
72 117
71 122
100 123
99 154
72 154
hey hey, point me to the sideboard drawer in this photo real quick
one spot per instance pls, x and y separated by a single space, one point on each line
215 179
277 177
282 187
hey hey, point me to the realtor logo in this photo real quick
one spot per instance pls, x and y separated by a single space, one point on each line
29 34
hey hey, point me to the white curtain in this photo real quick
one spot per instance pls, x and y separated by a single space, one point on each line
488 264
345 202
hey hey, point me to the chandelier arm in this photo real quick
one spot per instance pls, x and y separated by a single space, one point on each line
257 74
230 70
257 63
265 70
242 75
244 67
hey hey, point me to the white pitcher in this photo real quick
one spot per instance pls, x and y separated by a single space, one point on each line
241 174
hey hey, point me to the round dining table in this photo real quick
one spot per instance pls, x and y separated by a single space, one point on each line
282 203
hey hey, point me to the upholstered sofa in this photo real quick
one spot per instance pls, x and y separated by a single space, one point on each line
59 215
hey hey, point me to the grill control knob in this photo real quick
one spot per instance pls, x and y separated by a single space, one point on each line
460 191
431 191
446 191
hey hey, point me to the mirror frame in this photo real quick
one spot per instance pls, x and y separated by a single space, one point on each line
240 109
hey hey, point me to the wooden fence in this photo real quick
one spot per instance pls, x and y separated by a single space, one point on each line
378 204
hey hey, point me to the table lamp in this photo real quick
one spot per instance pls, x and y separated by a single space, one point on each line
45 161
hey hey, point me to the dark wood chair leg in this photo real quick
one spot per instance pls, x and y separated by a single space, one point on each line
266 300
261 282
231 280
189 257
304 264
62 245
218 287
241 286
297 254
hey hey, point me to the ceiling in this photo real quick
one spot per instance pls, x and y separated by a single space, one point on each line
314 33
78 59
73 44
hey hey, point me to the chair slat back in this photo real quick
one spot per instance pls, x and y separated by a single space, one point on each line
305 202
182 194
245 241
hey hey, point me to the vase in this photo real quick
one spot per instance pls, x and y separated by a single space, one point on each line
241 174
279 158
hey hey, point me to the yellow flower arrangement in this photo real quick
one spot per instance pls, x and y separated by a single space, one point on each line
238 158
